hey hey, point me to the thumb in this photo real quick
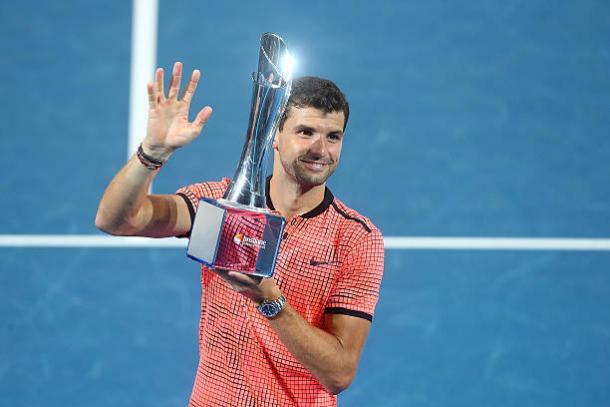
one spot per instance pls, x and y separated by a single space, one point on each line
202 117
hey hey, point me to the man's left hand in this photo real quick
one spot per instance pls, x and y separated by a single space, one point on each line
256 288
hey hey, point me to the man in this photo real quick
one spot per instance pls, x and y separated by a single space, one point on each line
329 268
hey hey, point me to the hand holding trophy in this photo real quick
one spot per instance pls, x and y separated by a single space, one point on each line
237 232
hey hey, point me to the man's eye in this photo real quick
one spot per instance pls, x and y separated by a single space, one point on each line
305 132
334 137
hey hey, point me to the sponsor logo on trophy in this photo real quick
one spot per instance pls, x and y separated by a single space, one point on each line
237 232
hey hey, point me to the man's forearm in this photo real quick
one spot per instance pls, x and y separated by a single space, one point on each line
330 354
124 197
320 352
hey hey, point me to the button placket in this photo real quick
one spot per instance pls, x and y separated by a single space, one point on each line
288 228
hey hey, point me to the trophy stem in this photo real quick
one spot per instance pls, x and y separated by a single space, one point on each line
270 92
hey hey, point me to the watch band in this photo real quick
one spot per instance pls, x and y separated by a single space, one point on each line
271 308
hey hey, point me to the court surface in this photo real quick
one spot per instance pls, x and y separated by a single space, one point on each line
484 119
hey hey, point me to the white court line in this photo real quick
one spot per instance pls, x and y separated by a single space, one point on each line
143 61
391 242
495 243
92 241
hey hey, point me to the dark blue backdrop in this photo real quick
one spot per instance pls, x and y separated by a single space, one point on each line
484 118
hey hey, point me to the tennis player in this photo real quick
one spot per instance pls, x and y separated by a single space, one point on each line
294 339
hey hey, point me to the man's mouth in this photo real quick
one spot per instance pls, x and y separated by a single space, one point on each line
314 165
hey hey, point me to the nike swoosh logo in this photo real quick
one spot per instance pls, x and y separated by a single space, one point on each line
313 262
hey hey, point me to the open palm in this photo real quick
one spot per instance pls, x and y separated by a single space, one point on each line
168 115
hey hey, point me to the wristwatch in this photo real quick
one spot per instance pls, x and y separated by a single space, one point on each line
272 308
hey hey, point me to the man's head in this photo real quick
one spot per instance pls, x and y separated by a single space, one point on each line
310 134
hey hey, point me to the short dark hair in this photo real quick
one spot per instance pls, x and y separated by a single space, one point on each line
311 91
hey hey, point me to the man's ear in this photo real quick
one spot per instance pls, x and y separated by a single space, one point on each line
274 144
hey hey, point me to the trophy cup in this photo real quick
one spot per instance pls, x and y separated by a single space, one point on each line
237 232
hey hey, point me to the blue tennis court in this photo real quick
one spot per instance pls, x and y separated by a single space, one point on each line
485 119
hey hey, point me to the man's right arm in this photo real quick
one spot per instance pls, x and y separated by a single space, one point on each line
126 208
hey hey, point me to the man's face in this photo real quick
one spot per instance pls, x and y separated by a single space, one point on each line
309 145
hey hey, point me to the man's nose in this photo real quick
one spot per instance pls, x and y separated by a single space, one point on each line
318 146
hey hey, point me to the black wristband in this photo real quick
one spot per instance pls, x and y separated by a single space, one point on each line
148 161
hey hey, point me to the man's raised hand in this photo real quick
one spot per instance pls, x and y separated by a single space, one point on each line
168 116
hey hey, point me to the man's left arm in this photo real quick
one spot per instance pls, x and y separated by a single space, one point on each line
330 354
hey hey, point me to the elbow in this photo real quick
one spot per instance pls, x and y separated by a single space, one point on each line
105 224
335 390
101 223
340 382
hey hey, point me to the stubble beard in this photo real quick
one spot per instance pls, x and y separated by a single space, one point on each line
307 178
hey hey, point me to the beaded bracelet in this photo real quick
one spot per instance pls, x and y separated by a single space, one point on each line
148 161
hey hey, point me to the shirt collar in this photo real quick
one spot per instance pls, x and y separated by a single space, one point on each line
326 202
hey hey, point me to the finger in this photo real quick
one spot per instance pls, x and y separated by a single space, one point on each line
224 274
191 86
235 283
152 98
244 279
237 277
159 84
202 117
220 272
174 85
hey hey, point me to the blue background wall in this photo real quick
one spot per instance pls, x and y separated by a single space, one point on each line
480 118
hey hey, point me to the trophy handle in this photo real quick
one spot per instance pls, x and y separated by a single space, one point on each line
270 91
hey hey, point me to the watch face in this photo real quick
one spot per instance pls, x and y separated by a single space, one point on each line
269 309
272 308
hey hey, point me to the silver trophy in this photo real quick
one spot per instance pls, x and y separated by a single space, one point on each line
237 232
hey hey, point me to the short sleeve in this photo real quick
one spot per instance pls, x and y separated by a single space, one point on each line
194 192
357 291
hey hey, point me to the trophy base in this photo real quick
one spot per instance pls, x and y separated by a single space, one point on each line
234 237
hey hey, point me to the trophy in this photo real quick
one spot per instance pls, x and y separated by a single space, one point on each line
237 232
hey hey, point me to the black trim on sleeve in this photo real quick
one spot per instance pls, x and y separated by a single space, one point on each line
189 205
345 311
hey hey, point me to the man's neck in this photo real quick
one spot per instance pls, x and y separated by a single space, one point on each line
290 199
